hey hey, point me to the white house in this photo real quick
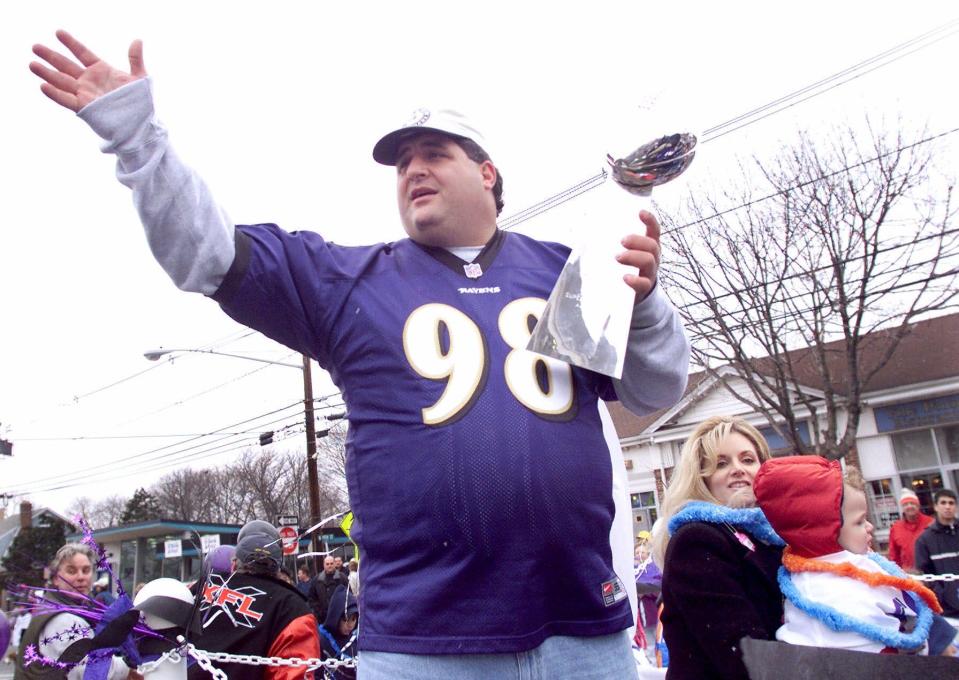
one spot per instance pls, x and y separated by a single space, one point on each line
908 434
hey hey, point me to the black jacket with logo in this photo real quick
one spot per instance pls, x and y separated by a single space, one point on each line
260 615
937 552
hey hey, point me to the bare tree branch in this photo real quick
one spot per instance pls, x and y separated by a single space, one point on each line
807 293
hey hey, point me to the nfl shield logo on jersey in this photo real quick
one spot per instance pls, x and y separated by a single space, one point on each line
473 270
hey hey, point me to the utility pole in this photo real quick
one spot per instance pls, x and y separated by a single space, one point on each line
313 477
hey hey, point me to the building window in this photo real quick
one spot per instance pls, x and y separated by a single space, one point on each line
947 439
781 446
643 499
884 510
914 450
928 460
644 510
128 561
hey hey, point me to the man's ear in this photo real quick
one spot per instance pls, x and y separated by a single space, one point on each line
488 170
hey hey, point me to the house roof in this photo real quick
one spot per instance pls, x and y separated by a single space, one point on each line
10 526
159 527
919 358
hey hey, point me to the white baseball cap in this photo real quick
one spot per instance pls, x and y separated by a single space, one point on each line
447 121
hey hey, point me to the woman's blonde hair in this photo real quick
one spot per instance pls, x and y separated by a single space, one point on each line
696 463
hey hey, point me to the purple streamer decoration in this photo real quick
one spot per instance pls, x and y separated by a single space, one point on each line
98 661
4 633
102 561
31 656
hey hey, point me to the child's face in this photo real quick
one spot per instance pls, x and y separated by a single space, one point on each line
856 532
347 624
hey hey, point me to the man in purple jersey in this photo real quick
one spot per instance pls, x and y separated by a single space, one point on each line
490 450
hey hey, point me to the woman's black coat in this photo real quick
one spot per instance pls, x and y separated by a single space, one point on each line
715 592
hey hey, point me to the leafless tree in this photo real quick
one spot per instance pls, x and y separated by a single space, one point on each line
192 496
809 273
331 456
99 514
258 484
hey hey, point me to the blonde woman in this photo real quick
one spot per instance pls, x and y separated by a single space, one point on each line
720 555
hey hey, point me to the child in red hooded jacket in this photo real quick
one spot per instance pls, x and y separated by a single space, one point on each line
838 592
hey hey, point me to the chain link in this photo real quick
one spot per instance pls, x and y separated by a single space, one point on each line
253 660
173 656
935 577
204 662
204 659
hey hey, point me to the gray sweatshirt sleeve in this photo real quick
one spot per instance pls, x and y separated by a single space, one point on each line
657 357
62 631
190 235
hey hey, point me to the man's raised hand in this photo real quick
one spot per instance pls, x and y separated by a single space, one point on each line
643 253
74 85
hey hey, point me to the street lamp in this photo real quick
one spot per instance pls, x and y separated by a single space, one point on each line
155 354
312 475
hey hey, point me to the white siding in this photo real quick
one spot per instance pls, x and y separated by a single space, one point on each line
718 402
876 457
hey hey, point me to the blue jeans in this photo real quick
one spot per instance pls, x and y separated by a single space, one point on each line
608 657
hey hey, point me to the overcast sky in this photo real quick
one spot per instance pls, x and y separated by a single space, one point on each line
278 106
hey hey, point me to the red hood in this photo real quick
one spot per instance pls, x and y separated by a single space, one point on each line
801 497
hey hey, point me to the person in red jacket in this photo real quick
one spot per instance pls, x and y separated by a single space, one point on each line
904 532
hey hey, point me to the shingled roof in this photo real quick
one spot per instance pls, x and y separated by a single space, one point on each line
929 352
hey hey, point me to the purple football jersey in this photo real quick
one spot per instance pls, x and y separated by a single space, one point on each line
479 473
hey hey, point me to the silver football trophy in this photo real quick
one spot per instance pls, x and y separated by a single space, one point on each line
586 319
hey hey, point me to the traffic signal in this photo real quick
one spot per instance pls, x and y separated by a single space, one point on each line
266 438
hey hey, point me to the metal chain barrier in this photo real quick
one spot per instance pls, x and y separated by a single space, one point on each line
935 577
172 656
204 659
204 663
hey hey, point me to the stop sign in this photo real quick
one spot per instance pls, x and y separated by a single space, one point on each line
288 537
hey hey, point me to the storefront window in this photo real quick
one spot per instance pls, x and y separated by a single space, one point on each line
128 560
882 503
925 484
781 446
644 510
927 461
948 440
914 449
643 499
171 567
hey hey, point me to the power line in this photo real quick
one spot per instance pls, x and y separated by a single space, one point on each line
596 180
87 471
553 201
177 456
880 251
813 180
195 395
784 316
93 437
162 463
856 68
